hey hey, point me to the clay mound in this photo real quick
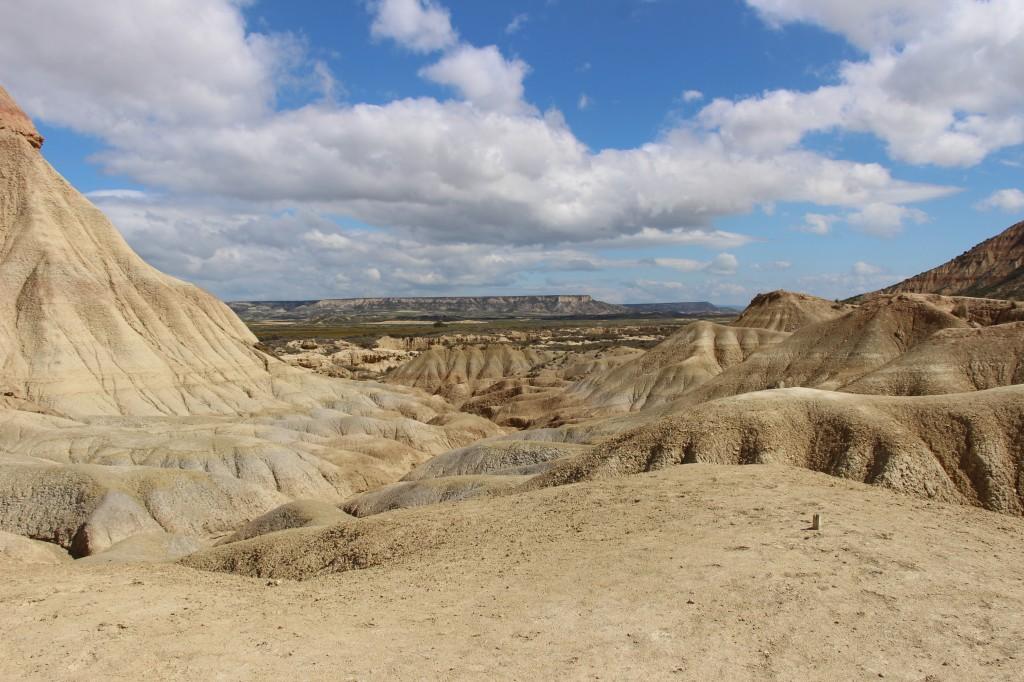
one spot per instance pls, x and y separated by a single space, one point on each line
494 457
956 448
406 494
992 269
952 361
691 357
24 550
456 373
787 311
831 354
297 514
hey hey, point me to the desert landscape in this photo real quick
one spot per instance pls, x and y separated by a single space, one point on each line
508 486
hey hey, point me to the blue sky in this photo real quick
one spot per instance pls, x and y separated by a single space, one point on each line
637 150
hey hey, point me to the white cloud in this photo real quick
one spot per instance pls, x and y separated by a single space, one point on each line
943 82
117 194
869 24
419 25
243 254
885 220
517 23
648 236
722 264
482 76
775 265
817 223
862 268
648 290
692 95
681 264
1009 200
144 64
189 110
862 277
493 171
583 103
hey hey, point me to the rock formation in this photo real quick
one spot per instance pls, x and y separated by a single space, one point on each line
992 269
135 403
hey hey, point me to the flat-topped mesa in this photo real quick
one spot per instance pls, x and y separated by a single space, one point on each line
14 120
319 310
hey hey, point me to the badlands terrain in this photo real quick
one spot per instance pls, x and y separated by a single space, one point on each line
182 499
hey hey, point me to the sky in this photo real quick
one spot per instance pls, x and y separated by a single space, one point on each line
634 150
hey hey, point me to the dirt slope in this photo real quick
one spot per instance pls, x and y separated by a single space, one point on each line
992 269
957 448
458 372
685 360
952 361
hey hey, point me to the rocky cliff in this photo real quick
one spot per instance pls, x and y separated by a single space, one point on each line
992 269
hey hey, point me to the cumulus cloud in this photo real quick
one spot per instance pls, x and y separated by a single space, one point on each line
862 277
692 95
670 290
245 254
583 102
482 76
190 111
885 220
943 82
722 264
489 170
862 268
177 64
869 24
775 265
817 223
1009 200
419 25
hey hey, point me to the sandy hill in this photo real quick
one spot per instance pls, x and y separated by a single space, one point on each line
787 311
457 372
947 447
834 352
992 269
700 351
136 403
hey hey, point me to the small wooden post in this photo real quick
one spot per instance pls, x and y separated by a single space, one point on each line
816 522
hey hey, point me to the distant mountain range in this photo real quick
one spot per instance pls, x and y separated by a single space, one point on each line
436 307
683 308
992 269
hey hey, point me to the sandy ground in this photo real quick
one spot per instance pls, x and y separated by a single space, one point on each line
693 572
